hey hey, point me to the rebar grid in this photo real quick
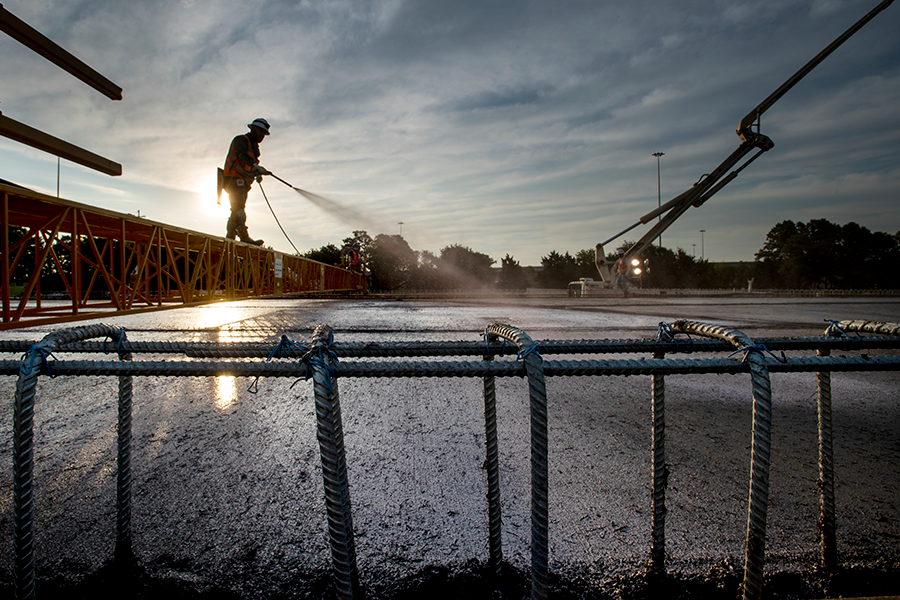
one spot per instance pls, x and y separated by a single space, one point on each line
334 464
760 451
321 361
827 522
532 366
33 363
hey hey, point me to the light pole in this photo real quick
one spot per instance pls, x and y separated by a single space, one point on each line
702 254
658 190
401 228
694 251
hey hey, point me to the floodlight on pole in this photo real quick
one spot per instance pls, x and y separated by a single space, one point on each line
702 253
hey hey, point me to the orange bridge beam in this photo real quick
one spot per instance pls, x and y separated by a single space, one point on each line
62 261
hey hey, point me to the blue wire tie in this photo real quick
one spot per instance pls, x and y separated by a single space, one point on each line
834 325
522 354
118 344
284 349
487 343
667 333
28 359
760 348
309 358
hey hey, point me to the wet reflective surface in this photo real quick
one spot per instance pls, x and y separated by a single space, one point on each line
228 494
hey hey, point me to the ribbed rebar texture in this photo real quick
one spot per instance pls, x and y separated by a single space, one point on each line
334 464
23 470
123 472
660 478
426 348
827 517
760 452
878 327
33 363
492 464
533 367
827 512
551 368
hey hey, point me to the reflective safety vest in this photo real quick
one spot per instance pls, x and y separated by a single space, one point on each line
622 264
231 161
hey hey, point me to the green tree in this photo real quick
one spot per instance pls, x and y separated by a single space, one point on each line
821 254
428 271
587 267
512 275
392 263
465 268
328 254
559 270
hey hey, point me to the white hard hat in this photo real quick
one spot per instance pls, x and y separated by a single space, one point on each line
621 251
261 123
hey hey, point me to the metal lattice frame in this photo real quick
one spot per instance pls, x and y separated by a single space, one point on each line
110 261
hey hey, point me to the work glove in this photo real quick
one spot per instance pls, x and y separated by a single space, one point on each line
260 170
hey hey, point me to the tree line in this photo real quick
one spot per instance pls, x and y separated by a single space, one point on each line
813 255
816 254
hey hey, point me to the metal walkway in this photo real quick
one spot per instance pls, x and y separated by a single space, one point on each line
113 263
319 361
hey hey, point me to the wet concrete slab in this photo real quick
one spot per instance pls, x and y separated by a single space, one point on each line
228 487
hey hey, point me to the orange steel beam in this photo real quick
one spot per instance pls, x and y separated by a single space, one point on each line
24 33
106 263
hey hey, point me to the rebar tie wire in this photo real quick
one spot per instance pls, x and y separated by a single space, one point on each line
760 348
836 326
284 349
30 366
667 333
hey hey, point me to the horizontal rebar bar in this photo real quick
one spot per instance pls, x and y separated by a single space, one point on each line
398 349
552 368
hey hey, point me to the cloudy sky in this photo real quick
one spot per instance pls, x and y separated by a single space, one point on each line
506 126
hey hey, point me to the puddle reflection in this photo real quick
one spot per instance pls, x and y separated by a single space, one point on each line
226 392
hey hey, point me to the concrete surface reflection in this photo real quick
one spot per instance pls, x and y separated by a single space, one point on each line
226 392
228 485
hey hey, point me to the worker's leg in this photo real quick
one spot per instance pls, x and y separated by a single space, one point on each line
237 197
237 220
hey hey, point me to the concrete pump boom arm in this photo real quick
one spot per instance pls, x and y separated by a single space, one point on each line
709 184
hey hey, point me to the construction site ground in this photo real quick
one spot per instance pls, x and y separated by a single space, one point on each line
228 497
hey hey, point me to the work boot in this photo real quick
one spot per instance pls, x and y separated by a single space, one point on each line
251 241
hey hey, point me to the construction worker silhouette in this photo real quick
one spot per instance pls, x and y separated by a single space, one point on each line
241 168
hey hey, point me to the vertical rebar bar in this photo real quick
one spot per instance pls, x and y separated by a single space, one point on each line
760 451
23 471
334 464
660 473
123 461
33 363
828 541
534 369
492 464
